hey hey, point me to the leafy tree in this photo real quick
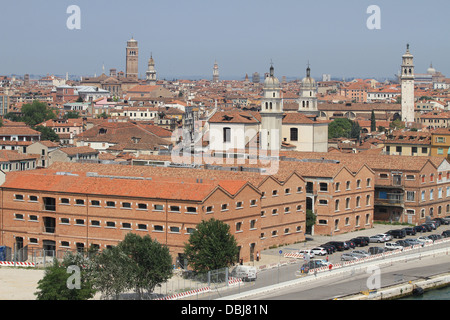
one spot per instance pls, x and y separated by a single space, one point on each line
114 269
344 128
54 285
47 133
150 263
211 246
397 124
36 113
72 115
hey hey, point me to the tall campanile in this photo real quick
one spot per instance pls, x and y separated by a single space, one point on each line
407 81
132 54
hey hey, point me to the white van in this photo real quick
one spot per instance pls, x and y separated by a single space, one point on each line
246 273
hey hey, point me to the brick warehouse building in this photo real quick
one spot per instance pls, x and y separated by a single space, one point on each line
51 210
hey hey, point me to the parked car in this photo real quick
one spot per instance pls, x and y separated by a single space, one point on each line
404 243
377 238
392 246
365 239
388 237
307 252
319 251
432 224
424 240
348 256
322 263
413 242
397 233
359 242
376 250
443 221
350 243
420 229
434 237
427 226
410 231
338 244
439 221
446 233
360 253
312 264
330 249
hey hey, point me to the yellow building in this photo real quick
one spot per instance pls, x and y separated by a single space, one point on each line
440 142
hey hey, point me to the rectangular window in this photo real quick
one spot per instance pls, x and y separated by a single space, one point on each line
126 205
158 207
174 208
110 204
142 206
191 209
95 203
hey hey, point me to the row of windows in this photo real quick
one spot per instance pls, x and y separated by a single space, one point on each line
107 224
286 210
410 195
123 225
275 233
139 206
346 222
347 203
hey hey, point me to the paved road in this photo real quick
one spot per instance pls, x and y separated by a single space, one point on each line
356 282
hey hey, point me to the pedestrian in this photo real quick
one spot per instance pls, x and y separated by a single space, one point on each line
257 255
327 258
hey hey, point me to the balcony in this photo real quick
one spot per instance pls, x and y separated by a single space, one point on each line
390 199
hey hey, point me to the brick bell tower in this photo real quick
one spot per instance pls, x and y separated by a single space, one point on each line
132 55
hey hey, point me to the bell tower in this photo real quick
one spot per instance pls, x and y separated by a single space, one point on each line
215 72
271 114
151 72
132 54
407 85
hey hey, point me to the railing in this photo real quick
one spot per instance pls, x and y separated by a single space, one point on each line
391 199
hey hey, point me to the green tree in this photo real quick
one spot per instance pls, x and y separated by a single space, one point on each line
47 133
310 219
373 122
150 263
211 246
344 128
36 112
396 124
114 269
55 285
72 115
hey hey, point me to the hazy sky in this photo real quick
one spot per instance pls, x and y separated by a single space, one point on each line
187 36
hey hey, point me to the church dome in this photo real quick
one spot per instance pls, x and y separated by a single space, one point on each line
431 70
271 81
308 81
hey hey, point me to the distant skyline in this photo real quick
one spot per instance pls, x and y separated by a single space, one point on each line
186 37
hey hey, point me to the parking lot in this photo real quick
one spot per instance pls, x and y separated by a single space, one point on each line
270 257
376 242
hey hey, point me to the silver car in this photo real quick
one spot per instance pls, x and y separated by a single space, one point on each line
377 238
348 257
360 253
